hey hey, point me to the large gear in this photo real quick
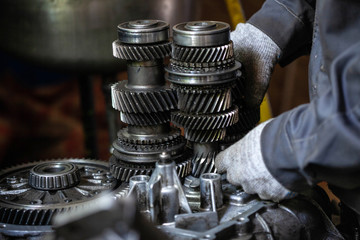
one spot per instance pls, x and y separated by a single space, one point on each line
123 171
145 119
206 121
140 101
141 52
201 54
21 204
203 100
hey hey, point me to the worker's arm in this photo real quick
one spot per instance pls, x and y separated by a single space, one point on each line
280 31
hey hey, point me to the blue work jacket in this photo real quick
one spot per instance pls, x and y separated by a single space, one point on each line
319 141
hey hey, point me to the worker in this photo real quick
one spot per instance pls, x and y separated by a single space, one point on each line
318 141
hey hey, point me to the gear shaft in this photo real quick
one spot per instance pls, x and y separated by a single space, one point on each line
145 102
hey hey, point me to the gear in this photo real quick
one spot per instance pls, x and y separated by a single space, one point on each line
203 163
54 176
21 204
141 139
203 136
141 52
135 101
123 171
207 66
145 119
206 121
202 54
203 99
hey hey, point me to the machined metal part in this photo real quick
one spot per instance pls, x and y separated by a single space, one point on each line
193 99
145 102
54 176
32 194
143 32
203 159
211 197
203 54
201 34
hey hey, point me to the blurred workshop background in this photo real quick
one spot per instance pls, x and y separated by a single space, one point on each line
56 64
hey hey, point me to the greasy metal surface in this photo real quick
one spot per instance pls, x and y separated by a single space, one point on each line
76 35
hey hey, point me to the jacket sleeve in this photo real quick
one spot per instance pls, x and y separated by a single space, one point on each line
289 24
320 141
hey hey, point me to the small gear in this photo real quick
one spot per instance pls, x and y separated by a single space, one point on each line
54 176
141 52
135 101
206 67
123 171
206 121
22 204
203 99
145 119
141 139
202 54
203 163
203 136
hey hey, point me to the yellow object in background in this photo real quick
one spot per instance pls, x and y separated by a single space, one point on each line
236 14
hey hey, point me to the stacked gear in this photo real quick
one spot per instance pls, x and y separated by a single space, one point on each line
145 102
32 193
203 72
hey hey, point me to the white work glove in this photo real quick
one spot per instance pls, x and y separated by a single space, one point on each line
258 55
245 166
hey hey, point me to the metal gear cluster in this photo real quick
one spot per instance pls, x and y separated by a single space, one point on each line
32 193
145 102
203 72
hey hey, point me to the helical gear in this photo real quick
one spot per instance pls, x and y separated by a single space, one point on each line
135 101
202 54
123 171
203 163
206 121
203 136
203 100
145 119
21 204
141 52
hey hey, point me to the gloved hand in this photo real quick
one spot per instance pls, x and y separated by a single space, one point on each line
258 54
245 166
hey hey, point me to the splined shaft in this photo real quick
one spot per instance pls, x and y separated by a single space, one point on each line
145 102
203 72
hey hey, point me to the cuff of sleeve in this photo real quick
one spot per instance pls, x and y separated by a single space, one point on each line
291 34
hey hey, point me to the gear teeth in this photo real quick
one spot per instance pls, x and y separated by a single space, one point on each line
141 52
145 119
132 101
205 136
202 54
28 216
172 136
206 121
203 163
124 171
206 66
203 100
